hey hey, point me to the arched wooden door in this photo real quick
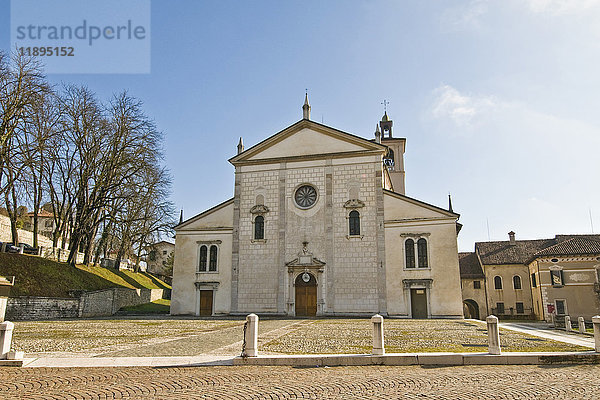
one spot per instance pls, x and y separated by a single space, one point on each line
306 295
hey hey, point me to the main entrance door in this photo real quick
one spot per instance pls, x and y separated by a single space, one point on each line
306 295
206 300
418 303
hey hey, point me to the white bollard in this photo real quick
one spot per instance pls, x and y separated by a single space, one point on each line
581 322
568 326
21 249
378 347
596 322
493 335
6 331
251 336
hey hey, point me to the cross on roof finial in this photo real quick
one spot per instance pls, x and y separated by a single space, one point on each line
385 104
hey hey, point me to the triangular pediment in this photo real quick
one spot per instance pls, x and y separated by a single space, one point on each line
307 138
217 217
401 207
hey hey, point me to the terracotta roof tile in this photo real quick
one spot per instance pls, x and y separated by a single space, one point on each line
469 266
505 253
578 245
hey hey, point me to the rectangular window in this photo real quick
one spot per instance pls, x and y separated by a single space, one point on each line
557 278
476 284
500 308
409 249
520 308
560 307
422 249
203 259
533 280
164 252
212 263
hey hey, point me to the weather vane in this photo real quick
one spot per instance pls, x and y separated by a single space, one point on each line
385 104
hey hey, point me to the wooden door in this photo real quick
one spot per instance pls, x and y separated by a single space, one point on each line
206 302
418 303
306 295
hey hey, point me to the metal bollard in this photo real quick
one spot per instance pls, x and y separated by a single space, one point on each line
251 336
581 322
493 335
596 322
378 347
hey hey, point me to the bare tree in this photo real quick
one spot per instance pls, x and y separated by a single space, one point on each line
21 84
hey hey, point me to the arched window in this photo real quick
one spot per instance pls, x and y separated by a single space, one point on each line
202 259
497 282
409 247
354 222
260 200
422 249
259 227
212 264
516 282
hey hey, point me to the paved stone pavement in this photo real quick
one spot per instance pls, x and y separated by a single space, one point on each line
476 382
542 330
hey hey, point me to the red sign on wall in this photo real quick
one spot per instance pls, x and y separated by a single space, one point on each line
550 308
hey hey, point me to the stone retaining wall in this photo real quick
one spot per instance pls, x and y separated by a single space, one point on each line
98 303
32 308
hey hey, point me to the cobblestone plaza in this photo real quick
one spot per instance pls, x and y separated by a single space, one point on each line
481 382
146 337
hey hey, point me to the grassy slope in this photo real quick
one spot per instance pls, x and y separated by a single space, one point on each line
36 276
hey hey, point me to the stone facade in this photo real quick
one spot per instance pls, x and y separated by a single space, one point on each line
267 241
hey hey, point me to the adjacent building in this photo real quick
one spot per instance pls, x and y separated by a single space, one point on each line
533 278
158 258
319 225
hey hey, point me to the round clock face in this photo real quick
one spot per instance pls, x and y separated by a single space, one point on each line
305 277
305 196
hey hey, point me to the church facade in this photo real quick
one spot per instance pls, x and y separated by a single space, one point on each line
319 225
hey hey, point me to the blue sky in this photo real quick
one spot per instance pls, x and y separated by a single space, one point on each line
498 100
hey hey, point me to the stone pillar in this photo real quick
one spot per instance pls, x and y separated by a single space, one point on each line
553 318
3 304
596 322
6 331
568 327
21 249
493 335
581 322
378 346
251 336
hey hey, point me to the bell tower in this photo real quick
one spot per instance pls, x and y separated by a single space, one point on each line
394 159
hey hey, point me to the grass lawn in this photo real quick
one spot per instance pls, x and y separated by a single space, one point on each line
161 306
37 276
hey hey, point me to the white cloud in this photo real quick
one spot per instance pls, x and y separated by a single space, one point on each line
463 110
464 17
562 7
